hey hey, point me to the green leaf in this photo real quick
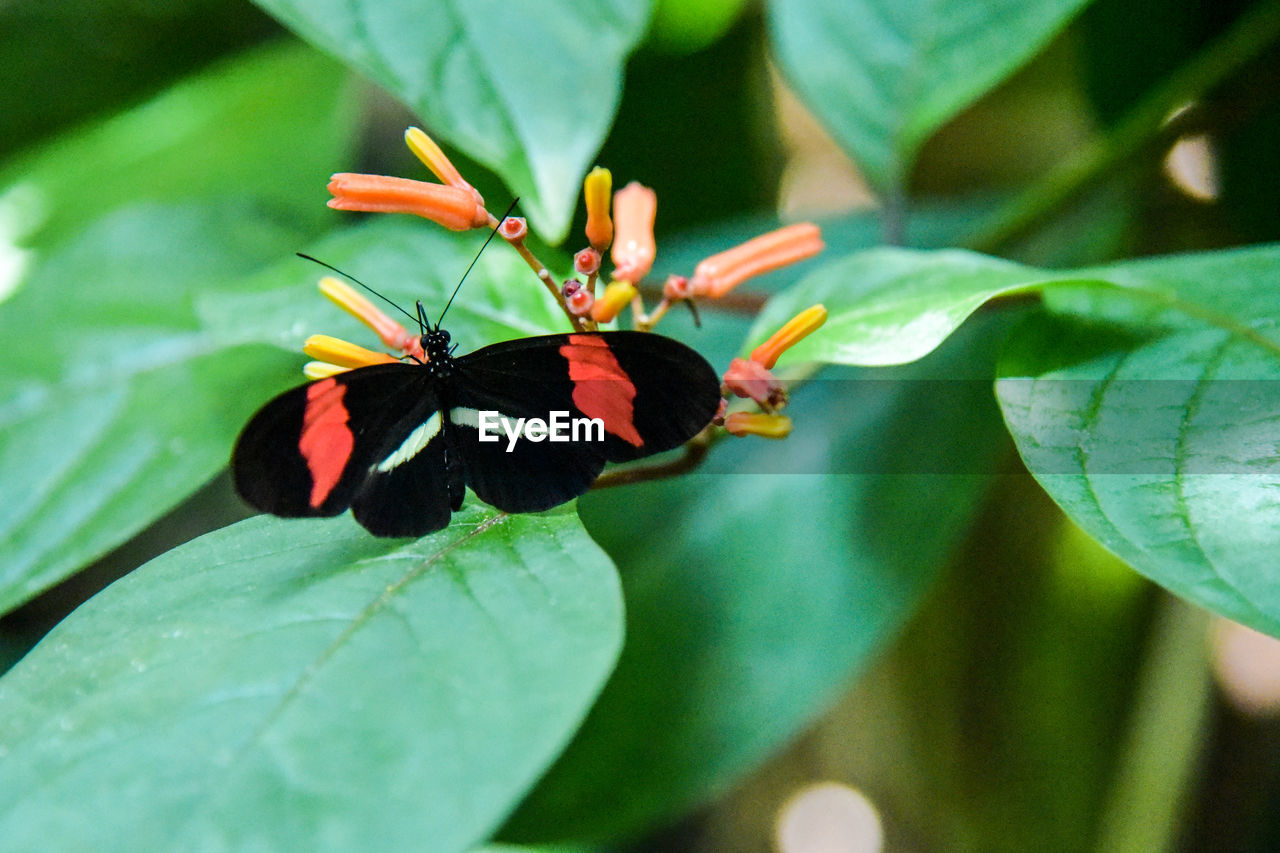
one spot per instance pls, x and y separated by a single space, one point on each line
114 405
529 90
883 75
302 685
135 356
79 58
1157 431
1155 427
782 568
890 306
269 125
685 26
92 445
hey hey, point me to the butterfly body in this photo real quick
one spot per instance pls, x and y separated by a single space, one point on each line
399 443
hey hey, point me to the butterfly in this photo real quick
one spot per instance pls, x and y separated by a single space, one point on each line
527 424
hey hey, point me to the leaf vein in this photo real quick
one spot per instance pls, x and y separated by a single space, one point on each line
368 612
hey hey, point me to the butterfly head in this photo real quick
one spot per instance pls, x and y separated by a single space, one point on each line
435 343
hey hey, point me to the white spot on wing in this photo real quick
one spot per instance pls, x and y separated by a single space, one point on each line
462 416
412 444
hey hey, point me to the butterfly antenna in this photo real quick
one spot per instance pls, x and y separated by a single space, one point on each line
514 202
422 317
359 282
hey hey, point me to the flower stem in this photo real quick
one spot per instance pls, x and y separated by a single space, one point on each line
540 270
695 450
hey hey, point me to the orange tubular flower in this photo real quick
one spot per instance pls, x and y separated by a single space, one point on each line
719 274
634 209
453 207
758 423
595 191
426 150
793 331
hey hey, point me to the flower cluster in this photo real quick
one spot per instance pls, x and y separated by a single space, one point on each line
752 378
618 223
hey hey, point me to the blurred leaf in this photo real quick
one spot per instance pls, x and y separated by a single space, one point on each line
529 90
993 725
890 306
883 76
1245 153
74 60
131 364
404 261
683 26
930 225
302 685
733 162
268 125
782 569
1120 63
114 407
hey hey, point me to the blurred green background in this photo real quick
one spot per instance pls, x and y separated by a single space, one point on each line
1041 694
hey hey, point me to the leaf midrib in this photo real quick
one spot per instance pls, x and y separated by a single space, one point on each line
361 619
1193 310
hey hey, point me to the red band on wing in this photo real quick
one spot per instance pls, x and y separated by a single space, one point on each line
601 388
326 441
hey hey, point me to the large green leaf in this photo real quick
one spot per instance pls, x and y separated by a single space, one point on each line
773 577
527 89
76 58
884 75
304 686
113 405
268 126
132 365
1157 431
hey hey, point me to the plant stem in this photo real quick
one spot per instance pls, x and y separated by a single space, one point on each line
544 276
695 450
1158 761
893 225
1243 41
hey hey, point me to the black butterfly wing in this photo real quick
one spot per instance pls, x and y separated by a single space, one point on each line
650 392
677 392
653 393
331 444
525 476
414 486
